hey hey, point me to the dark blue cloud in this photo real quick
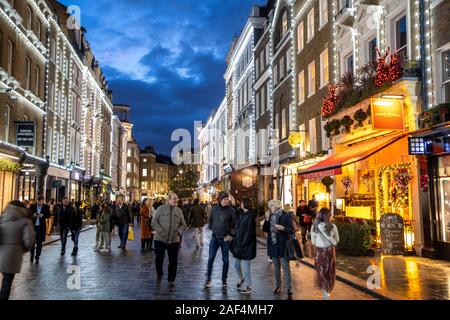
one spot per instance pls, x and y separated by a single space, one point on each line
166 59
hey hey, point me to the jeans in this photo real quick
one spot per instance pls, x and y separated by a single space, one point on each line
199 236
214 245
123 234
97 237
286 270
243 274
105 240
37 247
63 233
160 251
75 237
5 291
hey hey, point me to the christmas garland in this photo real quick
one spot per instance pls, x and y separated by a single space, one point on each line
399 178
9 166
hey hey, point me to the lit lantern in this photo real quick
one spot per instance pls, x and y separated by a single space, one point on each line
295 139
409 238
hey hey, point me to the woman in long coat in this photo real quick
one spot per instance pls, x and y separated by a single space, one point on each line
17 236
146 230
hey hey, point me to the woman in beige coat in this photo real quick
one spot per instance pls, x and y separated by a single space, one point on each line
16 238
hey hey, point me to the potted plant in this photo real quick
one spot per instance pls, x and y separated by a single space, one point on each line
336 125
360 116
347 122
328 128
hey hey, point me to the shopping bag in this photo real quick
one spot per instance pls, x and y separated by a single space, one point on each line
293 248
130 234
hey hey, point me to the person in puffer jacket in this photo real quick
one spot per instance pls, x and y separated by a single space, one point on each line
17 237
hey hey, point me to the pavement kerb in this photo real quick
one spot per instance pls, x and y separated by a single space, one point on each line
351 280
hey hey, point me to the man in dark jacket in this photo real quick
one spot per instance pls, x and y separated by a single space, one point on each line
122 215
75 227
40 213
221 221
197 217
305 219
64 218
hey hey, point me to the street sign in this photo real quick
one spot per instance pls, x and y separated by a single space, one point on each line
25 134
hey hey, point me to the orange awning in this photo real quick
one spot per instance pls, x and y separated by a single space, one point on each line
333 164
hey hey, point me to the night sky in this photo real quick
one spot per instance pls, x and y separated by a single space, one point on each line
165 58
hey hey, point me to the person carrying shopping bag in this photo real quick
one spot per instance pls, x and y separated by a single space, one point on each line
325 237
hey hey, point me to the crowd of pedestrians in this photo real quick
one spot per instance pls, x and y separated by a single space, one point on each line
233 224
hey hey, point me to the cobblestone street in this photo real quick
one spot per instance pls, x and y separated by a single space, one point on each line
128 275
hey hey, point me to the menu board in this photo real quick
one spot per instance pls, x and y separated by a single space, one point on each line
392 234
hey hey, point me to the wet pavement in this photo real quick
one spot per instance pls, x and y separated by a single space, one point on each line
411 277
128 275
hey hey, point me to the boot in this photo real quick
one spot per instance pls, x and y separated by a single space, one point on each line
143 246
149 246
75 251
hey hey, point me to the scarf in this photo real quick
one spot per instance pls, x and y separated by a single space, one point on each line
274 219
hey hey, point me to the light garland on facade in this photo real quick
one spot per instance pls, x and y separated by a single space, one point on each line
335 47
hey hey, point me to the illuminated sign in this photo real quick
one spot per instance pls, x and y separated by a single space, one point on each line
247 182
387 114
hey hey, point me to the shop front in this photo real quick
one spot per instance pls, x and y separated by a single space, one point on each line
10 165
31 180
57 183
244 183
369 179
76 184
432 149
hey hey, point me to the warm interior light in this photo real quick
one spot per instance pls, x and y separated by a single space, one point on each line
392 96
383 103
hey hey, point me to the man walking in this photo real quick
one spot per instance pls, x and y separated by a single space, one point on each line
169 224
64 219
122 215
221 221
313 205
40 213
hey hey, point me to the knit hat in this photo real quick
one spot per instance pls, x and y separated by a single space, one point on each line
223 195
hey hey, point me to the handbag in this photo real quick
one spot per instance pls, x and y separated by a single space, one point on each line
293 249
130 234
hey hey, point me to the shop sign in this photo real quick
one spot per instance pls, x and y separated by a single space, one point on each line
392 234
321 174
387 114
25 134
247 182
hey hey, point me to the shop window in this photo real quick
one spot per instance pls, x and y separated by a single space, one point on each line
444 196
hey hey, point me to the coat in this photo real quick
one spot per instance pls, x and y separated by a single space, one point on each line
17 236
198 216
146 231
64 216
77 220
169 224
243 246
42 225
104 221
122 215
222 221
278 250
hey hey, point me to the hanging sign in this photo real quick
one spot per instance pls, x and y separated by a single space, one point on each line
387 114
25 134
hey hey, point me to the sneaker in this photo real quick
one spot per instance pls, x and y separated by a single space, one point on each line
224 284
245 291
208 284
63 253
104 250
119 247
240 283
270 260
37 262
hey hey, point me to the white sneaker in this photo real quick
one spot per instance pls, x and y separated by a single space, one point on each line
104 250
270 260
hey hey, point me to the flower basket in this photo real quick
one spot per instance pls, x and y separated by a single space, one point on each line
328 129
347 122
336 125
360 116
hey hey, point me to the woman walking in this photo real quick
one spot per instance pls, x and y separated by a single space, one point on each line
76 226
17 236
104 221
146 231
243 246
325 237
278 225
198 220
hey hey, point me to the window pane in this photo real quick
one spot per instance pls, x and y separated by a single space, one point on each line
401 33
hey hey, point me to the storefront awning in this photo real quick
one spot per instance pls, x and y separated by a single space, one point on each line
333 164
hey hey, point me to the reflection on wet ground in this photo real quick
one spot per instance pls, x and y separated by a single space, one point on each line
412 277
